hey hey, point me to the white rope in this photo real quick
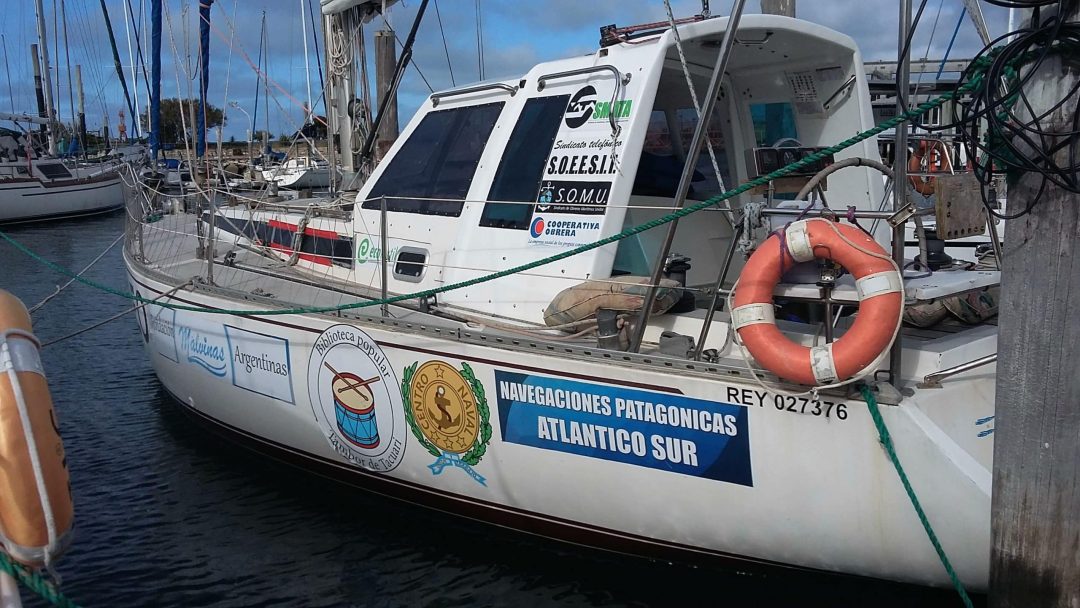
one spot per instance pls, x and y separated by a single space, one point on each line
28 432
866 371
116 316
693 93
37 306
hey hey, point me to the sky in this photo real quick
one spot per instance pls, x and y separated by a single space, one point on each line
516 34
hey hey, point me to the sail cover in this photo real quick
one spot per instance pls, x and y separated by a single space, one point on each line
368 8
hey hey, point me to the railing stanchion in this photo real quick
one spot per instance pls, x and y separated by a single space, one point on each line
720 278
384 253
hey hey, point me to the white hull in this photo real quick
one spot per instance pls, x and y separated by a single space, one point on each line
30 200
779 484
316 177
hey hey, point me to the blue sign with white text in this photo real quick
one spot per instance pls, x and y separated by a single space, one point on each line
644 428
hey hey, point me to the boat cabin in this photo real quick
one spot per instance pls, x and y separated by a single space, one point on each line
500 174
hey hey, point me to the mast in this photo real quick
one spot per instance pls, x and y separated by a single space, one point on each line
116 59
318 56
307 64
81 121
135 24
71 87
900 160
7 68
259 64
266 87
328 105
155 76
131 59
204 75
341 88
46 79
39 90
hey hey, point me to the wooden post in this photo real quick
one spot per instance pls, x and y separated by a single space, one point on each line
778 7
385 66
1035 526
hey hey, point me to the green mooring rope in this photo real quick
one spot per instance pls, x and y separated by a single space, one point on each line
887 443
681 213
35 582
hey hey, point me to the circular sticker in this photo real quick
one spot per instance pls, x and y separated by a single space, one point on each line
537 227
355 398
444 407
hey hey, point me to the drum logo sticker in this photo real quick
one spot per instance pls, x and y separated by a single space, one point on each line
448 412
354 398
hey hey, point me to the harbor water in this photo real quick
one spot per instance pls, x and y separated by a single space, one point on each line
170 514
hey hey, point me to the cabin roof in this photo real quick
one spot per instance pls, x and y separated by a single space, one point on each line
779 37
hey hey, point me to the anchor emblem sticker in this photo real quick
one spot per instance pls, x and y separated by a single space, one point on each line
449 415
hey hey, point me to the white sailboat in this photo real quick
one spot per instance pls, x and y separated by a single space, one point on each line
525 401
34 189
38 186
300 173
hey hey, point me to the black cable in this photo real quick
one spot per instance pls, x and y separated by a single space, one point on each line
996 122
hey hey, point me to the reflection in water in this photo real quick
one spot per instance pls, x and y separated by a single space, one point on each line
168 514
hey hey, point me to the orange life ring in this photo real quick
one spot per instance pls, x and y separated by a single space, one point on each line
877 280
935 164
36 512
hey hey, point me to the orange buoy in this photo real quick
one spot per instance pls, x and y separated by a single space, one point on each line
36 510
934 156
880 289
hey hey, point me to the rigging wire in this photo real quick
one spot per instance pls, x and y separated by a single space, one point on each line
479 40
318 55
412 60
7 68
446 48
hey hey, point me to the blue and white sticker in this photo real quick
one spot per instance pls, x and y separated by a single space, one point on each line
662 431
563 230
260 363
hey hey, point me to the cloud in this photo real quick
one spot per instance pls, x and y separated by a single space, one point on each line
516 35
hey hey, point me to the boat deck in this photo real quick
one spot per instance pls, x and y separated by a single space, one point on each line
170 249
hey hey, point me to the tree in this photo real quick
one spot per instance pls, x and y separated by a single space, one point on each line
173 122
232 139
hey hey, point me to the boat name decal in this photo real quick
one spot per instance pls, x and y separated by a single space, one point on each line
573 197
447 410
661 431
787 403
260 363
581 164
161 331
369 251
198 349
355 399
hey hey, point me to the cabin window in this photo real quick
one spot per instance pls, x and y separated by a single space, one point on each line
54 170
438 161
522 166
663 155
773 123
